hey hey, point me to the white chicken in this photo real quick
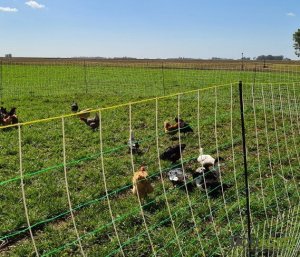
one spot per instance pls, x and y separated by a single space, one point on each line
205 160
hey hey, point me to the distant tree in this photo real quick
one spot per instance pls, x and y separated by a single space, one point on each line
296 38
270 57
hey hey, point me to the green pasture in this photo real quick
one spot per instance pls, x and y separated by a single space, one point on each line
41 87
204 225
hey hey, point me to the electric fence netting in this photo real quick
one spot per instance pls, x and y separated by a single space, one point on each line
53 77
66 189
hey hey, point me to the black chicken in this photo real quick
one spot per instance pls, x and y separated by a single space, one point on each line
74 107
184 127
172 153
3 114
92 122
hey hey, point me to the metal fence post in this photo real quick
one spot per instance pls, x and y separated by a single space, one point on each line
245 169
85 76
163 77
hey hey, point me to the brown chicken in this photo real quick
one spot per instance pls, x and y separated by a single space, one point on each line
141 186
170 129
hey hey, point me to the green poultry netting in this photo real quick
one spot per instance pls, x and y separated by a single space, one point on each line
66 189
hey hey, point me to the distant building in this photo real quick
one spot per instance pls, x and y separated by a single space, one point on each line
8 56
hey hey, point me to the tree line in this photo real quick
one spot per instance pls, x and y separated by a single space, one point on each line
296 38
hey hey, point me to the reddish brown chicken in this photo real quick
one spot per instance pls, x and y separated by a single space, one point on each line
141 185
170 129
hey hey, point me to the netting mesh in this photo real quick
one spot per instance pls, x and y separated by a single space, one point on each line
66 189
53 77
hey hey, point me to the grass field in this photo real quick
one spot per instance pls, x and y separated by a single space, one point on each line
204 225
42 84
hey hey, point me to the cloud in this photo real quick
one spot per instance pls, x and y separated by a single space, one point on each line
8 9
35 5
291 14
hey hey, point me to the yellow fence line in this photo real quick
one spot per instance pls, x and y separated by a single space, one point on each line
125 104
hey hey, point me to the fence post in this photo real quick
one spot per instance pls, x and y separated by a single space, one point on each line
163 78
242 61
85 76
245 169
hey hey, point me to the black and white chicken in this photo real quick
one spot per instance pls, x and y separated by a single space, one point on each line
133 145
176 176
74 107
209 178
8 118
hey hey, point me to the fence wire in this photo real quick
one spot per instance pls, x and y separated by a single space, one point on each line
63 193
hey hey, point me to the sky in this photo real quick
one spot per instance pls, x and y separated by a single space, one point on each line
148 28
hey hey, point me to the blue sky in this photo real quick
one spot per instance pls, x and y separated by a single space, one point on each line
148 28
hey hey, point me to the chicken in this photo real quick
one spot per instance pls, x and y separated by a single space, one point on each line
12 111
184 127
172 153
74 107
3 110
176 176
209 177
214 169
180 125
198 176
8 118
141 185
170 129
205 160
133 144
85 113
93 123
3 113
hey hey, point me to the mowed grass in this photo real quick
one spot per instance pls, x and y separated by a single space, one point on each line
273 160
